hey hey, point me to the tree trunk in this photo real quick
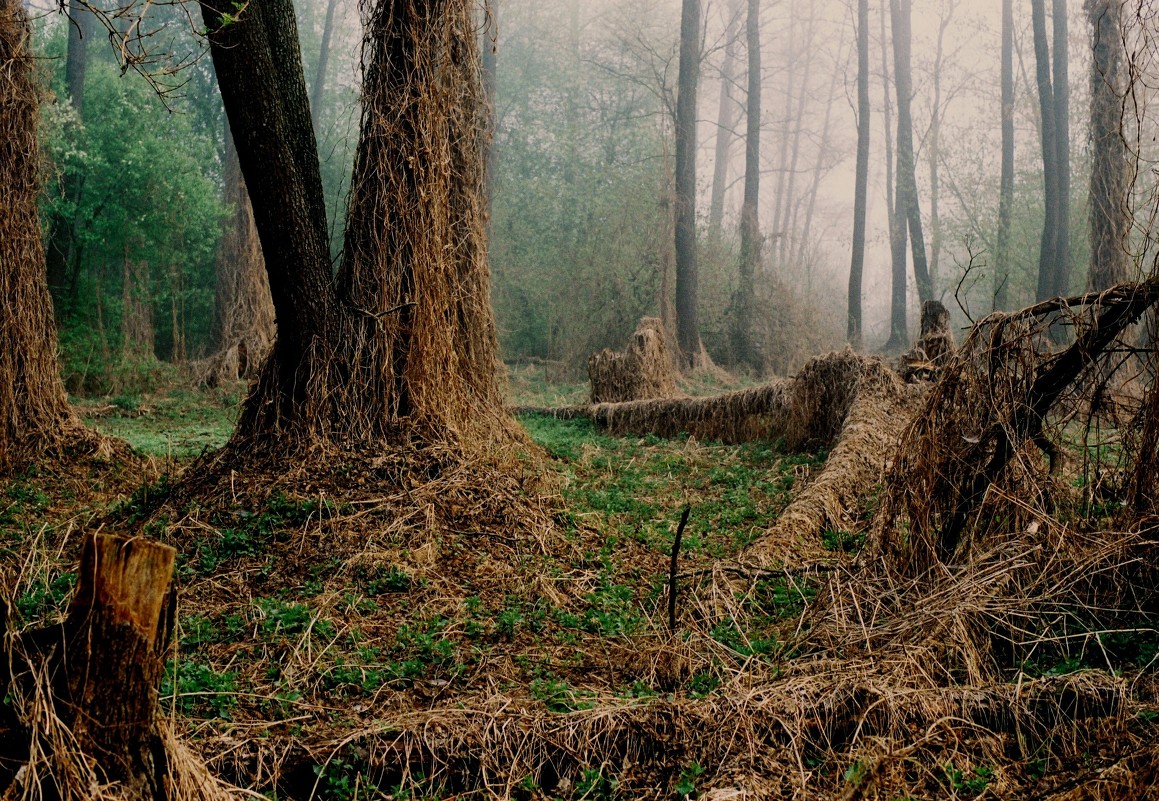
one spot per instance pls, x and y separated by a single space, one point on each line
490 50
34 411
136 311
687 304
1006 186
61 253
898 324
402 342
244 318
934 150
861 182
318 94
787 230
1110 181
907 187
1061 67
725 120
1048 250
750 230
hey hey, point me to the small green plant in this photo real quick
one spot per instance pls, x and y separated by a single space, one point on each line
686 785
593 785
842 541
45 596
558 696
703 684
340 780
973 783
199 690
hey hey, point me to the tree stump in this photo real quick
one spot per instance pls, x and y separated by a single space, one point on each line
84 693
643 371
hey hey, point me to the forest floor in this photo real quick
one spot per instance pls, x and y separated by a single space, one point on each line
324 653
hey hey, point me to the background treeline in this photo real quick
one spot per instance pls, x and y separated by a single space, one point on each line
582 186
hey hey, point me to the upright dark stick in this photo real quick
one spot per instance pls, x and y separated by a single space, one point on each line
672 568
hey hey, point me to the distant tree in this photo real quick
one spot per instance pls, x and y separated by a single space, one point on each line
1110 179
861 182
1053 101
401 343
907 189
34 412
318 92
1006 185
687 301
750 230
1061 69
61 253
725 120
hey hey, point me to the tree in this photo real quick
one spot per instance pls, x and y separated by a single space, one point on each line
1062 144
319 90
34 412
687 317
1006 185
1110 179
62 242
861 182
1051 256
725 119
750 231
907 188
401 342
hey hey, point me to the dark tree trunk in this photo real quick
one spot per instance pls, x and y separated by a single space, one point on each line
1048 250
34 411
861 182
402 342
1062 144
725 120
934 149
907 188
687 303
1006 187
61 253
750 231
1110 179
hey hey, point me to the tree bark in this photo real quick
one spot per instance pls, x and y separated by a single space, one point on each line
1110 179
687 303
1006 186
934 150
1048 250
750 231
861 181
34 412
907 188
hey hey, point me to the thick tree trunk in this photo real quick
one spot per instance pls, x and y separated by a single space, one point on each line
861 181
687 303
750 231
907 188
34 411
1048 250
1110 180
1006 186
725 120
402 342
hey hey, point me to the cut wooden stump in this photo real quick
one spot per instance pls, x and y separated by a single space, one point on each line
84 698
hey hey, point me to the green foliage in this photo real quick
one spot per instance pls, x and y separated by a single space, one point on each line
199 690
593 785
972 783
45 596
559 696
686 784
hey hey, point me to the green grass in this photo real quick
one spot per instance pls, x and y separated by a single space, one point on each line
179 424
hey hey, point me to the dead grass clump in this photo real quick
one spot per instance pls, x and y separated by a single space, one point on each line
833 501
644 370
1013 425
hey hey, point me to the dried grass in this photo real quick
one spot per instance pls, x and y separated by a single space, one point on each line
643 371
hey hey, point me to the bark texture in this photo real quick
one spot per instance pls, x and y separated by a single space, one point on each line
1006 185
750 230
861 181
687 303
34 411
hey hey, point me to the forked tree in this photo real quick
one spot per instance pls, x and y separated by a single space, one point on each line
401 341
35 416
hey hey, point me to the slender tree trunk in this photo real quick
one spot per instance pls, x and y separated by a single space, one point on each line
898 325
861 182
750 232
779 201
1048 250
1110 179
1061 66
906 176
933 148
687 305
725 120
136 310
788 232
318 94
34 411
61 254
1006 187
